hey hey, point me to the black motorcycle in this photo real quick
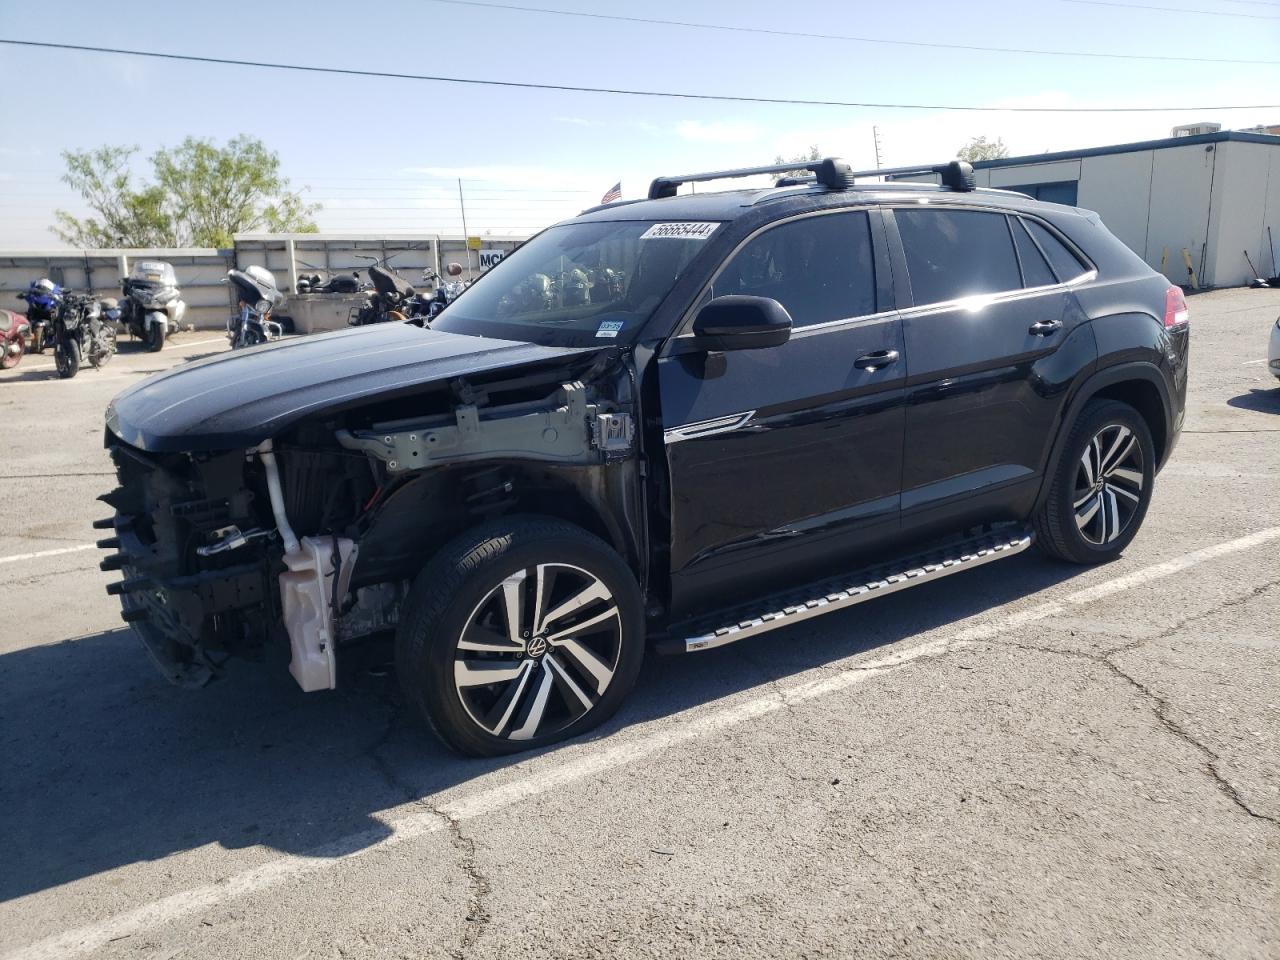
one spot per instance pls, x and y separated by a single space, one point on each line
392 298
81 332
256 296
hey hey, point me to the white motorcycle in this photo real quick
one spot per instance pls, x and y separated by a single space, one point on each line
152 307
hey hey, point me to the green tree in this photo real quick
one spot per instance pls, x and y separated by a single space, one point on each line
980 148
127 216
813 153
202 196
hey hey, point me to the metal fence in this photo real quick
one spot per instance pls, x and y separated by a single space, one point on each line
201 272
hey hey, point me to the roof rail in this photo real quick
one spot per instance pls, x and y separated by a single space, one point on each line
832 172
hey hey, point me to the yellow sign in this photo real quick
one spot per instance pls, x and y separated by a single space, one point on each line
475 243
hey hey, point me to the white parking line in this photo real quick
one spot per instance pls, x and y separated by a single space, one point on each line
577 762
17 558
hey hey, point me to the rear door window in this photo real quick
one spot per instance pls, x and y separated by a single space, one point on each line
820 268
1065 263
953 254
1035 270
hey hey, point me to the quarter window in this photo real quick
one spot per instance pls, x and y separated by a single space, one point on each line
1035 271
953 254
820 268
1065 263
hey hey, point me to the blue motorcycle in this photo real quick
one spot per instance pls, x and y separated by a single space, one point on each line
43 298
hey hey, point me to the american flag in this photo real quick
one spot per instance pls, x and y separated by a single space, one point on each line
613 193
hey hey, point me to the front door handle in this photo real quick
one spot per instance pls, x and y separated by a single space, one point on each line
874 361
1045 327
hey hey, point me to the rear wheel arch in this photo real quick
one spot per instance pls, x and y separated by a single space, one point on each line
1139 384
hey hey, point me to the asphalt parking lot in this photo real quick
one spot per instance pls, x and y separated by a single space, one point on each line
1025 760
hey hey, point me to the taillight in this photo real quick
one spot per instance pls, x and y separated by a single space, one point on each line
1175 309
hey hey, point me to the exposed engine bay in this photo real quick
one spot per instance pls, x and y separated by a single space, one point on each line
315 533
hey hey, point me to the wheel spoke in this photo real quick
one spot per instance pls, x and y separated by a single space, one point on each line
537 708
500 715
563 676
480 639
1086 462
1117 451
511 589
589 662
1084 516
1083 499
1111 516
584 626
540 584
592 592
1127 494
479 673
1125 473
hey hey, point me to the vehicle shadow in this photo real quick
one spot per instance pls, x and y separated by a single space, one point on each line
1261 401
107 765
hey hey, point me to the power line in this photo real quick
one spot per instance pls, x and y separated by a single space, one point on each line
1144 6
773 32
784 101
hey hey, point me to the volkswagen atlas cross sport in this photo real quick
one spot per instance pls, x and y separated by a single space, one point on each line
674 423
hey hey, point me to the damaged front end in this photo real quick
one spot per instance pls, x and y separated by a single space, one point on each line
314 535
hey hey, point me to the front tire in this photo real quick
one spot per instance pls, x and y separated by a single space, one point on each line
67 357
155 336
1101 488
519 634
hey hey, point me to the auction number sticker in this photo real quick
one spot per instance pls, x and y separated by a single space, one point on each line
692 230
609 328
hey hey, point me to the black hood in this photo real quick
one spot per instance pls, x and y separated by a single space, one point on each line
239 399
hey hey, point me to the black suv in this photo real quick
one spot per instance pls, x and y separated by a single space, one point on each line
679 421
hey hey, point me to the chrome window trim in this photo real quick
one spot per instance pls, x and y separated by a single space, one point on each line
707 428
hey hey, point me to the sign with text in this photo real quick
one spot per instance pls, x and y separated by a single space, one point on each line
491 258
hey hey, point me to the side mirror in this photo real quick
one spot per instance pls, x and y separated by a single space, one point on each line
454 269
741 323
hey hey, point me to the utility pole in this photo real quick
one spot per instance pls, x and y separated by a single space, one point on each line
466 237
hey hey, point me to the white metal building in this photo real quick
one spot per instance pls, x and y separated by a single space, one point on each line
1213 195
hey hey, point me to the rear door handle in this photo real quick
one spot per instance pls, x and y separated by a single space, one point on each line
874 361
1045 327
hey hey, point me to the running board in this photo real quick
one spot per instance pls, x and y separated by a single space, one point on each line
914 571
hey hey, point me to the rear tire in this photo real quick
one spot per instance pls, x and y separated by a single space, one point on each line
1101 488
474 612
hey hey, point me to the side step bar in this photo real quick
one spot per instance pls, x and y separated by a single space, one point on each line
923 569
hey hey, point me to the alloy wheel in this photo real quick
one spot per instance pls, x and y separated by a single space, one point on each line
538 652
1109 484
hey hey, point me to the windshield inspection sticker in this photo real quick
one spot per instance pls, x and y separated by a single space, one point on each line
609 328
679 231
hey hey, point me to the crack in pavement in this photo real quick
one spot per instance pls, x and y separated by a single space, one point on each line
1160 704
478 884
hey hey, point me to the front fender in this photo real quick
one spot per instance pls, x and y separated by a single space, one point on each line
155 316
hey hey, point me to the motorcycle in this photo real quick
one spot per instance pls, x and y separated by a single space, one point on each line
392 298
13 332
153 306
257 295
80 332
43 297
445 291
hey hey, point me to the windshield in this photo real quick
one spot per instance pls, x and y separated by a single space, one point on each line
578 284
154 271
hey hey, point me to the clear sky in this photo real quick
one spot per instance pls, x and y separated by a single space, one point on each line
381 155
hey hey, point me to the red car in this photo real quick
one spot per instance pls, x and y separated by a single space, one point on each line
13 334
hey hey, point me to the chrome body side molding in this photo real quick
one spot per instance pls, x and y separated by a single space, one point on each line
707 428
